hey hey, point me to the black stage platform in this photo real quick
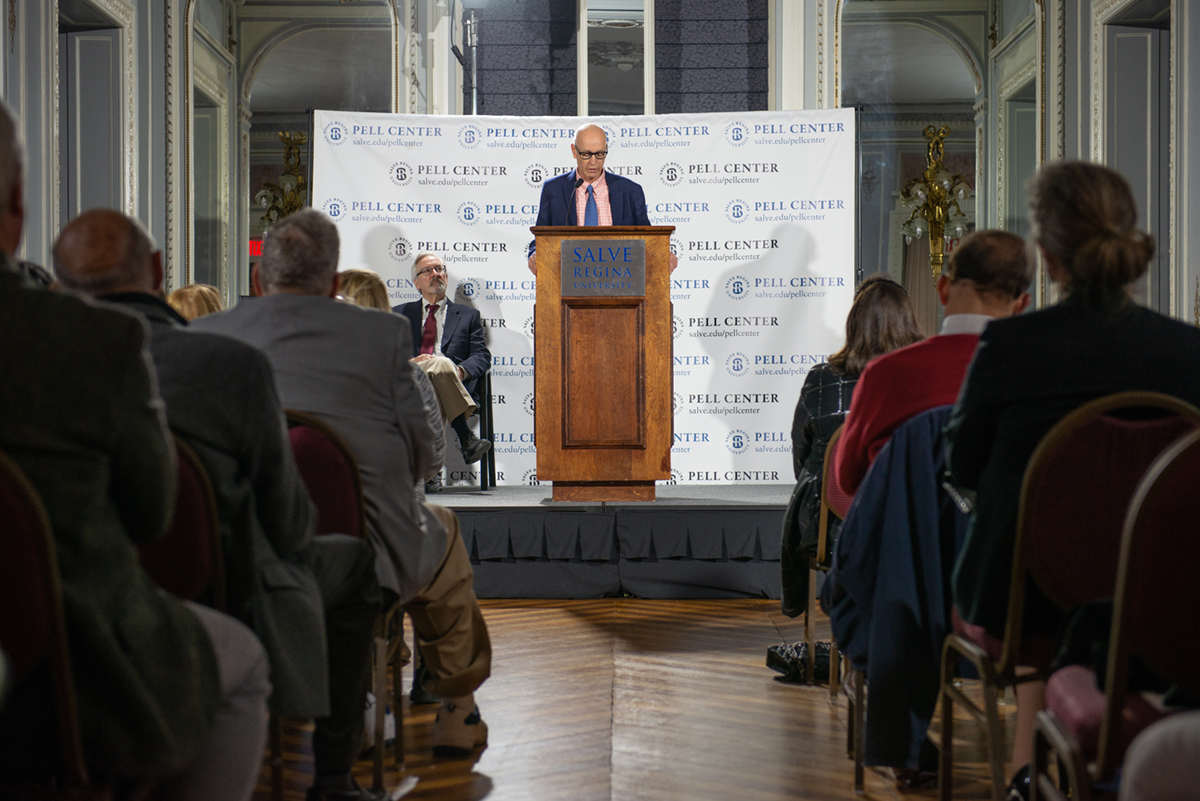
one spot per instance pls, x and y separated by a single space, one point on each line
693 542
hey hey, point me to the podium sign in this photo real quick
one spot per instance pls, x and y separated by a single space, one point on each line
603 376
603 267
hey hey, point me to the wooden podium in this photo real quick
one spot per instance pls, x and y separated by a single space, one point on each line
603 379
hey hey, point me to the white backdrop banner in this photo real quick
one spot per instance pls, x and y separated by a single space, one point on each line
763 209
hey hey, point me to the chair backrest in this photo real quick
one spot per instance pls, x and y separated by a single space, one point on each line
833 500
32 629
330 474
187 560
1076 491
1156 592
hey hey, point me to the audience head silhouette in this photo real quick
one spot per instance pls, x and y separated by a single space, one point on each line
300 256
880 320
363 288
1084 220
988 273
102 252
195 300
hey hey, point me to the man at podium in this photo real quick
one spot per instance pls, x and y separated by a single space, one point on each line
588 195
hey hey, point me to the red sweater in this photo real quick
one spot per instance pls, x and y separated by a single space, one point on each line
894 388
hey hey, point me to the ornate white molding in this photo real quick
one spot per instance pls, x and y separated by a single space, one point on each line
169 112
1103 12
1018 79
837 13
1060 103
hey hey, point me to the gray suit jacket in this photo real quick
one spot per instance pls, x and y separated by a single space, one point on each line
84 421
220 397
349 366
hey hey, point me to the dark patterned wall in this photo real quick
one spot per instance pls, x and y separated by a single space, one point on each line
710 55
527 58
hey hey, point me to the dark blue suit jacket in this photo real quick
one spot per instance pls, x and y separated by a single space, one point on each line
462 338
888 596
625 197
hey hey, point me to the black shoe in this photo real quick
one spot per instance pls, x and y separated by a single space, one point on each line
1018 790
791 660
355 793
434 485
474 449
419 695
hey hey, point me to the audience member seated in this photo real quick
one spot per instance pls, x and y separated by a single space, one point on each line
165 689
363 288
349 366
881 319
1032 370
312 602
449 346
986 277
195 300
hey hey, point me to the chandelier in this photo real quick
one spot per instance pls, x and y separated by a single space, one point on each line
931 198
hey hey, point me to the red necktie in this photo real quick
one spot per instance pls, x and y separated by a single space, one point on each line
429 334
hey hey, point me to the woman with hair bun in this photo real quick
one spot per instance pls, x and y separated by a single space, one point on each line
1032 370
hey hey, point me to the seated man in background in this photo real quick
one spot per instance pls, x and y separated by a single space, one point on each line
449 346
986 278
164 688
350 367
313 602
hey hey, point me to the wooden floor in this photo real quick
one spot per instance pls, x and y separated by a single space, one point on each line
632 699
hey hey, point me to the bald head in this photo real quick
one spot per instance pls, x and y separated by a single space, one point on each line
102 252
590 150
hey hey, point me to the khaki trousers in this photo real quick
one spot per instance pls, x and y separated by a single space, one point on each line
452 395
453 636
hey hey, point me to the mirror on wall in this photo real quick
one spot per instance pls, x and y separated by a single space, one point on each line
906 72
209 221
325 57
616 60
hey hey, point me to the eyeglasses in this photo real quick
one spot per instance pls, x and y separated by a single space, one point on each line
438 268
599 155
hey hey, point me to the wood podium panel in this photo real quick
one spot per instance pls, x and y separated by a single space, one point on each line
603 375
615 373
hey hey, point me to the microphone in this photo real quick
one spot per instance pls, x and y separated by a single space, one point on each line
578 183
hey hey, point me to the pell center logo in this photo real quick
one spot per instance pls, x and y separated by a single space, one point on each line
737 287
400 173
530 479
468 212
737 441
536 175
676 327
737 364
336 133
676 478
737 211
527 327
610 133
677 403
671 174
468 288
469 136
400 249
528 404
335 207
737 133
